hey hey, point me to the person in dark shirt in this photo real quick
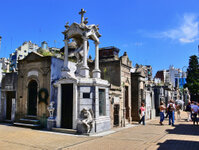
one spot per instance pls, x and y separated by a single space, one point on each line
188 110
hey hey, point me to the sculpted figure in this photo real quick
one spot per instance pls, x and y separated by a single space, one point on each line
88 118
51 109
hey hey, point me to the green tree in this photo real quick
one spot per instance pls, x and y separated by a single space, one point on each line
44 52
193 78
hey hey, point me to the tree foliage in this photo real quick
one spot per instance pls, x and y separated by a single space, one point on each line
44 52
193 77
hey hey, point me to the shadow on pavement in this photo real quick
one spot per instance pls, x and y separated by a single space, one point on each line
178 145
184 129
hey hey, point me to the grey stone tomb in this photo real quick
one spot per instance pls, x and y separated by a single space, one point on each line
83 97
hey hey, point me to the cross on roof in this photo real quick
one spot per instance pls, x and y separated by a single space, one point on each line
82 12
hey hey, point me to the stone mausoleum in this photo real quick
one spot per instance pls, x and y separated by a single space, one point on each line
78 91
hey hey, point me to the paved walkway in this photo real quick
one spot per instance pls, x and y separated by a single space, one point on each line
183 136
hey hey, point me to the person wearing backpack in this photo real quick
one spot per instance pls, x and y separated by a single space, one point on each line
171 112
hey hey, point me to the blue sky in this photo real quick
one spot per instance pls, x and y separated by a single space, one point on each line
153 32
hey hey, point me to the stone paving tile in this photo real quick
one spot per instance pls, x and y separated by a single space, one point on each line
7 145
183 136
35 139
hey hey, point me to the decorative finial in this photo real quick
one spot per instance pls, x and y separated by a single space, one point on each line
97 26
67 25
82 12
86 21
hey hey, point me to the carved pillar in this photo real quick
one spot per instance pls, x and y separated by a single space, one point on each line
65 68
84 71
58 118
96 71
85 40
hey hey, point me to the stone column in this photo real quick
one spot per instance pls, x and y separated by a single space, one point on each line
85 40
96 71
65 68
58 117
84 71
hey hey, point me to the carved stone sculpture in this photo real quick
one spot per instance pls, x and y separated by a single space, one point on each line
51 109
86 122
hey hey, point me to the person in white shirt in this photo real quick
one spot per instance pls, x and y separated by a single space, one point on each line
195 110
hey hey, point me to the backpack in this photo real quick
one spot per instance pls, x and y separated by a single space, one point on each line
170 108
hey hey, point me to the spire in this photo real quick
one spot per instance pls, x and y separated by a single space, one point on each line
82 12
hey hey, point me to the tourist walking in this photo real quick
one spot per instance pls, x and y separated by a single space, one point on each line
192 104
171 112
178 108
195 111
162 108
188 110
142 114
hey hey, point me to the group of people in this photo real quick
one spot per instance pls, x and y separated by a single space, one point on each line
170 109
192 110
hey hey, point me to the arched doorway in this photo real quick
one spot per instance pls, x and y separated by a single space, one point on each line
32 98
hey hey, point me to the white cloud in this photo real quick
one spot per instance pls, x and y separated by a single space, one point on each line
138 44
135 44
186 32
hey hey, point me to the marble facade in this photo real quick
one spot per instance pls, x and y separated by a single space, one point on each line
86 92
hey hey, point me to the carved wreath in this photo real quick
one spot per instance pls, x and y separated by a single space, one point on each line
43 95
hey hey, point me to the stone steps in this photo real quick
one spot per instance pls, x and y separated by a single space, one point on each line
29 122
63 130
30 117
35 126
8 121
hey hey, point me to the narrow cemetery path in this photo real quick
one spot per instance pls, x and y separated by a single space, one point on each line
152 136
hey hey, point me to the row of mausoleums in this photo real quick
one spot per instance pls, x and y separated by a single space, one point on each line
76 92
115 99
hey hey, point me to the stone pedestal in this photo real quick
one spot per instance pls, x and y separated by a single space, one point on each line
97 74
81 128
84 72
50 123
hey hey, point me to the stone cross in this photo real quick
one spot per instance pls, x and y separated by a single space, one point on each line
82 12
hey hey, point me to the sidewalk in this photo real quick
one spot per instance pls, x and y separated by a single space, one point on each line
183 136
152 136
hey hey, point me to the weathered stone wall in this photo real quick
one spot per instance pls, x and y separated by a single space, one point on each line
9 84
117 72
56 65
36 68
138 94
111 71
126 82
148 104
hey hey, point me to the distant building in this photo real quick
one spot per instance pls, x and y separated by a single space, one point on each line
4 67
175 76
5 64
44 45
162 76
21 52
